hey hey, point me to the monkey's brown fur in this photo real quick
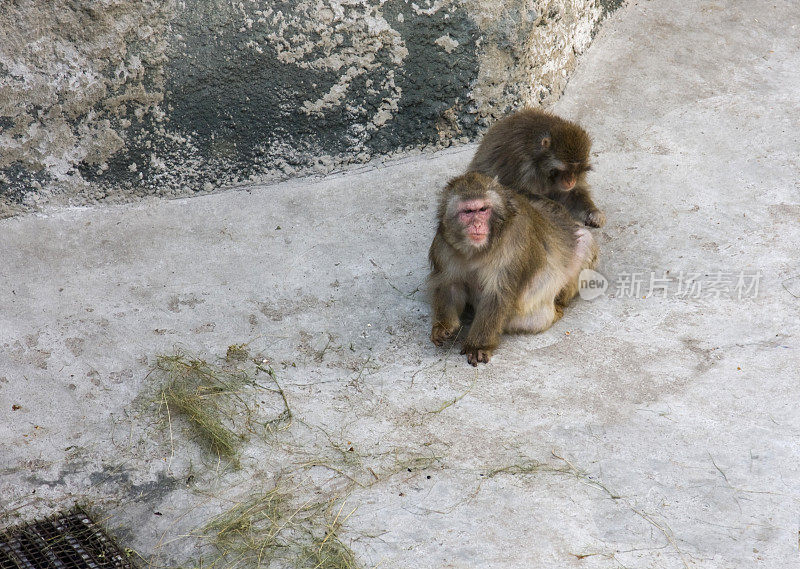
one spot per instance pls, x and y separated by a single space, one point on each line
518 280
540 154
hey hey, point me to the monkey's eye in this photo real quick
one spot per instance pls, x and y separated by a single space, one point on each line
484 208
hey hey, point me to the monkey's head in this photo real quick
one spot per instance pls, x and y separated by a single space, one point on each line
566 150
473 210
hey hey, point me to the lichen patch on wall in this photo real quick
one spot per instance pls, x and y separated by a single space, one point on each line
68 73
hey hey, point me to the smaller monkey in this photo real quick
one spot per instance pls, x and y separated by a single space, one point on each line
514 261
539 154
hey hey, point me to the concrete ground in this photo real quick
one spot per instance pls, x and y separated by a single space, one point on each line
647 428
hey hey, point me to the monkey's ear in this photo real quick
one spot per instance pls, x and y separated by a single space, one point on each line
545 142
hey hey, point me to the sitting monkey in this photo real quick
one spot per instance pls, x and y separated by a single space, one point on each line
514 261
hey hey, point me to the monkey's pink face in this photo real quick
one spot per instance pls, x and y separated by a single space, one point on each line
474 216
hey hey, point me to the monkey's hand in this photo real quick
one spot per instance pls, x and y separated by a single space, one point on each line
595 218
441 333
475 355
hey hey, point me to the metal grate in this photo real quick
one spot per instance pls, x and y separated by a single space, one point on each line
68 541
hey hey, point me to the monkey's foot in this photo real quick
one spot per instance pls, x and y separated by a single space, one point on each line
441 333
475 355
595 218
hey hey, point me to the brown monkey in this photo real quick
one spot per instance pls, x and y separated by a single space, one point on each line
539 154
514 261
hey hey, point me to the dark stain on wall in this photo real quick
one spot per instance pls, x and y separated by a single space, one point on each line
432 80
239 110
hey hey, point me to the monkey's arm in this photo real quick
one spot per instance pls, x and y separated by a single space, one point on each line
491 315
448 302
448 297
579 203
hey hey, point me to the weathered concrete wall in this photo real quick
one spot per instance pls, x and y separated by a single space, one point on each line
115 99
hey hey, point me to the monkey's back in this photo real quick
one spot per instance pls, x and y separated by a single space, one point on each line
559 248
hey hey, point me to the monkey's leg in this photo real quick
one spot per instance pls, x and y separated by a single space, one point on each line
484 334
537 319
448 303
579 203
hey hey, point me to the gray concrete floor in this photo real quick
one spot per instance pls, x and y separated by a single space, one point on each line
645 429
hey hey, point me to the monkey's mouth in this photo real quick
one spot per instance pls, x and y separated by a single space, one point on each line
478 238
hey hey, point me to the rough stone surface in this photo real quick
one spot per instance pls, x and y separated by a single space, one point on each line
119 99
677 412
